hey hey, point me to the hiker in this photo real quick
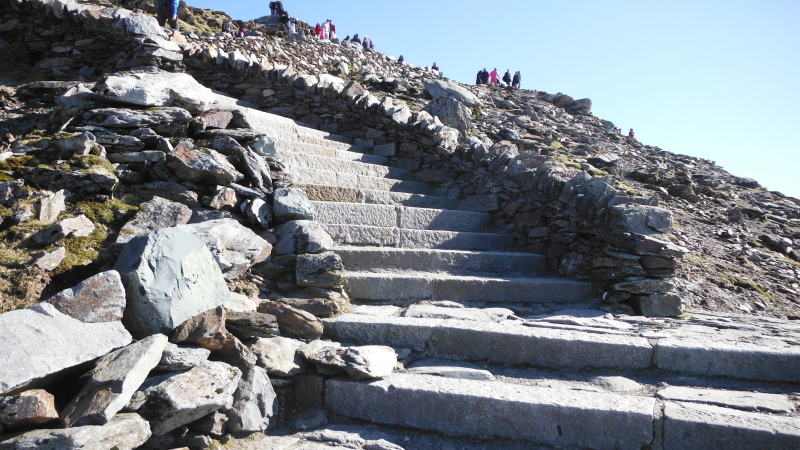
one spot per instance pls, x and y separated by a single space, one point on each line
279 8
400 59
367 44
272 8
241 32
227 27
435 66
356 39
332 28
318 30
326 29
291 27
495 76
167 12
485 76
517 79
507 77
631 134
347 39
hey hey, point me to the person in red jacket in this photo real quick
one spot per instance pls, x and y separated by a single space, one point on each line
494 76
631 134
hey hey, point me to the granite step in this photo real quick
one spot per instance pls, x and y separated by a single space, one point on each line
291 144
405 238
304 176
671 349
371 259
400 216
416 286
310 161
321 192
560 417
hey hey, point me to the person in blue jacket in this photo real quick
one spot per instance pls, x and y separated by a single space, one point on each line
167 12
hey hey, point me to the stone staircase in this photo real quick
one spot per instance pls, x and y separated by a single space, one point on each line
526 351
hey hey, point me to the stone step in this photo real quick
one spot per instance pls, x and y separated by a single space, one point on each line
558 417
289 144
554 416
325 193
511 342
404 238
373 259
415 286
315 162
305 175
400 216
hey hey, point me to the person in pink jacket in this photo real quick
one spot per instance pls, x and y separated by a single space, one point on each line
494 76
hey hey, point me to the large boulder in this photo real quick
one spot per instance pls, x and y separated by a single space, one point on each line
57 341
100 298
171 121
124 432
302 236
235 247
169 276
323 270
292 204
451 112
179 398
112 383
157 89
155 214
442 88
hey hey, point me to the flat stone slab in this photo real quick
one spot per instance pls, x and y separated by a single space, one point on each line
460 262
314 161
123 432
558 417
750 401
689 425
303 175
431 286
450 369
40 341
506 342
399 237
400 216
322 192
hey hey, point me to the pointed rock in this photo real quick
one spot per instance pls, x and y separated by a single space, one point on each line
235 247
100 298
50 206
155 214
28 409
112 383
255 404
201 165
292 204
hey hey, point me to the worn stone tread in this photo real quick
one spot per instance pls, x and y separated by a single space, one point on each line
367 214
398 237
328 193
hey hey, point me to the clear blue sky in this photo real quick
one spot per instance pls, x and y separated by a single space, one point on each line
709 78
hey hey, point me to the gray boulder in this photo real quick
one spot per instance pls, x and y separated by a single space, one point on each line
58 341
442 88
361 363
323 270
255 404
156 214
29 409
112 383
79 226
50 206
451 112
258 212
292 204
640 219
176 358
302 236
100 298
169 276
235 247
157 89
180 398
50 260
123 432
170 121
279 356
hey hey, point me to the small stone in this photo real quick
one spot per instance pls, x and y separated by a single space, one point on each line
100 298
293 322
28 409
50 260
292 204
617 384
176 358
279 356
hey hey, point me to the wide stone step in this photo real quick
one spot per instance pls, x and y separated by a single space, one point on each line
400 216
400 237
353 195
315 162
554 416
511 342
290 144
305 175
558 417
373 259
415 286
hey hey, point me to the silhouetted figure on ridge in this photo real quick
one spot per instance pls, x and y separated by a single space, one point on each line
631 134
356 39
507 77
517 80
435 66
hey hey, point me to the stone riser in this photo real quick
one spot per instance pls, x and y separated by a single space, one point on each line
561 418
399 237
366 214
303 175
353 195
406 287
291 144
451 261
316 162
509 343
